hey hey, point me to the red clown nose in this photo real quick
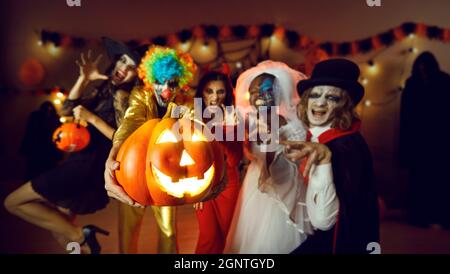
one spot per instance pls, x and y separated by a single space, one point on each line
165 94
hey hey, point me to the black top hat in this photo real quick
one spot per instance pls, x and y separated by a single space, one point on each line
116 49
340 73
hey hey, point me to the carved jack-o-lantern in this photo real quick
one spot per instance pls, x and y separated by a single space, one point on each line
159 165
71 137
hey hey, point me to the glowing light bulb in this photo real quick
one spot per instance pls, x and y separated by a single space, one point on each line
373 68
238 64
39 43
60 95
184 46
62 119
53 50
368 103
57 102
364 81
411 36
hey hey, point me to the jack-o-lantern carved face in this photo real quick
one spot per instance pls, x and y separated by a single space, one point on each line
181 166
71 137
180 160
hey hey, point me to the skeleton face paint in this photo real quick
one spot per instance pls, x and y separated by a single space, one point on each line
124 70
165 92
322 102
261 94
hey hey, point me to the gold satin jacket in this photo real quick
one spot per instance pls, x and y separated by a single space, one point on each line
142 107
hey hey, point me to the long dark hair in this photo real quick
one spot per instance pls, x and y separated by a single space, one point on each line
216 76
126 86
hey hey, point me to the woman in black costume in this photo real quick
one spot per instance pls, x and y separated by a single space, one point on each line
52 199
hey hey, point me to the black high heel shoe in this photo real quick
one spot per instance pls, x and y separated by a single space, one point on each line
89 232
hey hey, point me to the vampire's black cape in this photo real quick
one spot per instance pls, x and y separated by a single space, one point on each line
358 223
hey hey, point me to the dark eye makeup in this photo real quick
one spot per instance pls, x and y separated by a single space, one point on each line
173 84
333 98
314 95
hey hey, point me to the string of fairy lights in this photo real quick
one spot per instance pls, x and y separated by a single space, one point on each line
242 47
373 68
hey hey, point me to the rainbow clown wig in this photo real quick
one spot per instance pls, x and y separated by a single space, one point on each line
162 64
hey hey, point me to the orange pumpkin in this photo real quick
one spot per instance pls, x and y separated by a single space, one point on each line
71 137
161 166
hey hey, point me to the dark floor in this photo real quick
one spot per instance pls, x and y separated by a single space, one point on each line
17 236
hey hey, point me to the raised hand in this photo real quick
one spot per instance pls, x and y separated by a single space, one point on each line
89 68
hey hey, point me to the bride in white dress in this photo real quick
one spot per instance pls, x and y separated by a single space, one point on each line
276 210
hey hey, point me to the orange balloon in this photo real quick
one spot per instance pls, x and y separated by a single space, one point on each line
31 72
71 137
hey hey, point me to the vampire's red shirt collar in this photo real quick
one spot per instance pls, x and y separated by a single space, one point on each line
334 133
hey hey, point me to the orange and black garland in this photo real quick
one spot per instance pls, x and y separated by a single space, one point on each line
293 39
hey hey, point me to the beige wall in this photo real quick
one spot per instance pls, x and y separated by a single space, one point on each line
324 20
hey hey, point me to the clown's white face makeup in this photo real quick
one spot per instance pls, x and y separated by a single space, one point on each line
166 92
124 71
322 102
214 93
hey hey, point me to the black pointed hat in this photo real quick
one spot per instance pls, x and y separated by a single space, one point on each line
116 48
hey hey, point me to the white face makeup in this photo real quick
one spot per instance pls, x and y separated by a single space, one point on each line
166 92
322 102
214 93
124 71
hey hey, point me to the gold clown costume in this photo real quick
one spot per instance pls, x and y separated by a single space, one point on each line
160 65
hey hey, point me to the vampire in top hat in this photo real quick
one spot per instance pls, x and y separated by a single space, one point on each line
340 73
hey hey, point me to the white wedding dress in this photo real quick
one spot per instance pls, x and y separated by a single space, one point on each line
274 214
276 211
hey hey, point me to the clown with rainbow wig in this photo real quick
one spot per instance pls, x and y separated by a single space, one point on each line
164 72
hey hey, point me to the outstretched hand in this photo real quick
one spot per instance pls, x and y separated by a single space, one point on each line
89 68
318 154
